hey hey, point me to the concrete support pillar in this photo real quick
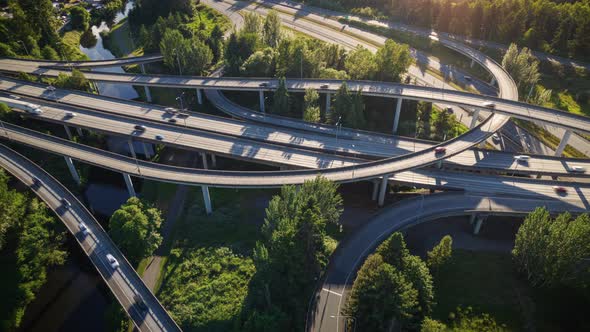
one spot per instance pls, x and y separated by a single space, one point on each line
375 190
68 132
199 96
472 63
398 109
474 118
80 132
131 149
478 222
95 87
207 199
129 184
472 218
204 159
328 103
73 170
146 152
148 95
213 161
439 164
261 96
563 143
383 189
493 81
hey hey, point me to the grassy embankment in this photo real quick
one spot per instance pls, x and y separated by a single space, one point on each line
488 282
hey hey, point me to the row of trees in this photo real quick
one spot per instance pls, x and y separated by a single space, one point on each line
550 26
31 242
293 253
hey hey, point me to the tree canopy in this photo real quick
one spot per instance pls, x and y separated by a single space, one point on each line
552 252
393 289
135 228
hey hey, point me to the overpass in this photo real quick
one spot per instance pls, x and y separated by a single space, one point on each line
350 254
126 114
123 282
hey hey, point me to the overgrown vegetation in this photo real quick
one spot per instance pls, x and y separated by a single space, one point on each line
30 243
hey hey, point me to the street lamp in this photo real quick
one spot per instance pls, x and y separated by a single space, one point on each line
182 110
178 60
346 326
338 126
25 46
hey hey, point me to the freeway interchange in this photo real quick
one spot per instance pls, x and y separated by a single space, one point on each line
312 149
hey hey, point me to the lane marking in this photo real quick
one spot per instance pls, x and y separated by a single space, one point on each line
329 291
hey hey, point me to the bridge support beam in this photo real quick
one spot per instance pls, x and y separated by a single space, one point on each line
73 170
563 143
199 96
207 199
131 149
398 109
493 81
80 132
375 190
213 161
68 132
148 94
261 97
146 152
478 222
204 159
129 184
472 63
328 104
474 118
383 189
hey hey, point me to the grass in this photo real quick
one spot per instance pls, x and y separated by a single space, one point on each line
206 18
72 41
488 282
206 276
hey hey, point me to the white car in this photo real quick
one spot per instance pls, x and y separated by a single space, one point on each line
33 109
488 104
51 88
112 261
522 157
84 229
171 110
159 137
578 169
70 114
496 137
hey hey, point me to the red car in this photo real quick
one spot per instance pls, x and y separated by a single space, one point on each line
440 149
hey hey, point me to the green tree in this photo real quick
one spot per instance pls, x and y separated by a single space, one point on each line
443 123
12 204
423 129
173 47
80 18
192 55
440 254
271 30
552 252
382 298
464 321
135 227
49 53
356 117
360 64
215 42
333 74
393 289
75 81
280 100
293 252
342 103
252 23
260 64
523 67
392 60
311 109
